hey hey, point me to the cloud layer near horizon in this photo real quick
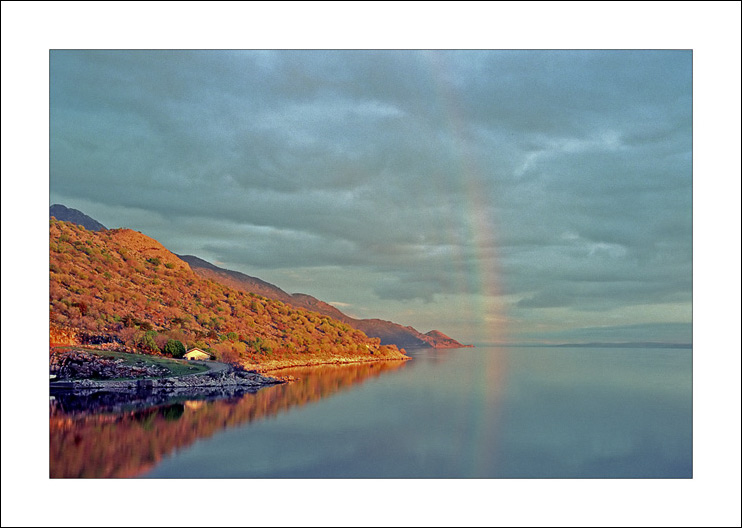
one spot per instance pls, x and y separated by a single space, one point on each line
549 188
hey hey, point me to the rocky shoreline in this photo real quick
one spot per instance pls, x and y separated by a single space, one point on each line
229 381
83 364
82 373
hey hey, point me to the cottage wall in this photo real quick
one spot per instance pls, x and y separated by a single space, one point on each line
196 354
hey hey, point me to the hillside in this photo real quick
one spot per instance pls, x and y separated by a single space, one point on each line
389 333
386 331
235 279
124 289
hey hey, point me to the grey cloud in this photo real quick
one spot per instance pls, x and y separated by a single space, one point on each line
572 92
589 275
400 290
423 166
658 332
587 295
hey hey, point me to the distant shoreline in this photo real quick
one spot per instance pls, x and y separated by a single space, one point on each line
591 345
287 364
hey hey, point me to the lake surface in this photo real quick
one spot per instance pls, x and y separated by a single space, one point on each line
464 413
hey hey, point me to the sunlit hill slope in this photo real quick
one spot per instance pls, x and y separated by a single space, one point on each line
387 331
123 288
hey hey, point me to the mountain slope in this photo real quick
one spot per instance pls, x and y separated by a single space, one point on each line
235 279
388 332
65 214
125 289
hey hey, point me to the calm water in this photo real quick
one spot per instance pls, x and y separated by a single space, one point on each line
466 413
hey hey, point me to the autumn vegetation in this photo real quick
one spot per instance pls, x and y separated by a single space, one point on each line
124 290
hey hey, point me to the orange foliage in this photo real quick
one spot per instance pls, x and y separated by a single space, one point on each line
119 285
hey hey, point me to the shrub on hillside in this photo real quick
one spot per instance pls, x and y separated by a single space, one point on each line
147 341
174 348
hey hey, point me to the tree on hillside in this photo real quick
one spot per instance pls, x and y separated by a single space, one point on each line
175 348
147 341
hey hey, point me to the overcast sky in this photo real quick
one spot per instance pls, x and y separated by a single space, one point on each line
520 196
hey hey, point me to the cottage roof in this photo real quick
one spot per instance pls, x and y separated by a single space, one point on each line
192 350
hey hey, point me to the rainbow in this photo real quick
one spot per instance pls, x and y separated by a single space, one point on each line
480 235
476 244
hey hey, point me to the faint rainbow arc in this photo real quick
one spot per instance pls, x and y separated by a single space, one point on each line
479 224
476 217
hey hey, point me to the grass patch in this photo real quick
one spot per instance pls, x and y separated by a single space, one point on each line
176 367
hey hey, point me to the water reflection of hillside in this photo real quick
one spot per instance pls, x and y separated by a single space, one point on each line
125 442
435 356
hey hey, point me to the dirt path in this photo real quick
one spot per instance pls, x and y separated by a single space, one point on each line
214 366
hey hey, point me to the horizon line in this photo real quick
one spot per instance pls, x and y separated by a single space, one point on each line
627 344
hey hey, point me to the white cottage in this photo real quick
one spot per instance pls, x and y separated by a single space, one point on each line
196 353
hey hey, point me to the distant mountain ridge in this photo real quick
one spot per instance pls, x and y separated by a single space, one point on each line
388 332
66 214
626 344
236 279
